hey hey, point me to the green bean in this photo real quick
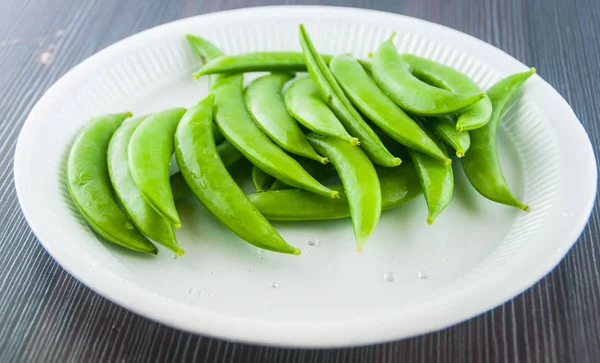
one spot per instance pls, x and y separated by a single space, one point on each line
304 102
237 126
452 80
445 128
394 77
399 185
341 105
230 157
482 164
265 103
436 179
261 180
360 181
89 185
150 150
142 214
382 111
260 62
204 172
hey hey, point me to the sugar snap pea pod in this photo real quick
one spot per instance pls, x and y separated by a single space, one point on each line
317 170
399 185
260 62
265 103
482 164
394 77
332 93
142 214
437 179
230 157
304 102
261 180
445 129
360 181
209 180
382 111
89 185
237 126
149 151
448 78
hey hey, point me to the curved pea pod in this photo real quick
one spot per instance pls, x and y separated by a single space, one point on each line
360 181
399 185
394 77
448 78
239 129
90 188
331 93
149 151
445 129
437 180
230 157
142 214
261 180
304 102
319 171
382 111
205 173
265 103
482 164
260 62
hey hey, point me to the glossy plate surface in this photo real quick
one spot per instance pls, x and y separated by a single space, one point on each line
410 279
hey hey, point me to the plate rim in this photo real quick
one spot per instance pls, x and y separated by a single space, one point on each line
275 337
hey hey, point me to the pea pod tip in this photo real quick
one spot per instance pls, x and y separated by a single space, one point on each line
180 252
448 161
460 153
335 194
430 220
524 207
354 141
177 225
297 252
324 160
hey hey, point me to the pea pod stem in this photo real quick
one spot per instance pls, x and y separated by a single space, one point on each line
207 177
90 187
360 181
482 164
332 94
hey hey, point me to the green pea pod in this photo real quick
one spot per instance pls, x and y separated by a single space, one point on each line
150 150
261 180
360 181
260 62
332 93
448 78
382 111
205 173
318 171
237 126
399 185
304 102
265 103
482 164
437 180
445 129
230 157
394 77
142 214
89 185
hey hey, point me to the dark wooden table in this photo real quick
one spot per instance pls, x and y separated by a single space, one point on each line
47 316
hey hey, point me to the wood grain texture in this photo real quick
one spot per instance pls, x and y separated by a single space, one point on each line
47 316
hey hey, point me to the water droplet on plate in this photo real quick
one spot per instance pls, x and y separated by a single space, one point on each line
261 251
213 273
423 275
275 285
388 277
262 258
250 269
313 242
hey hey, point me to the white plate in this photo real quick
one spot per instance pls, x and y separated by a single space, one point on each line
477 255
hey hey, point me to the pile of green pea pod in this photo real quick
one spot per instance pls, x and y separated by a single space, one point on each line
349 118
